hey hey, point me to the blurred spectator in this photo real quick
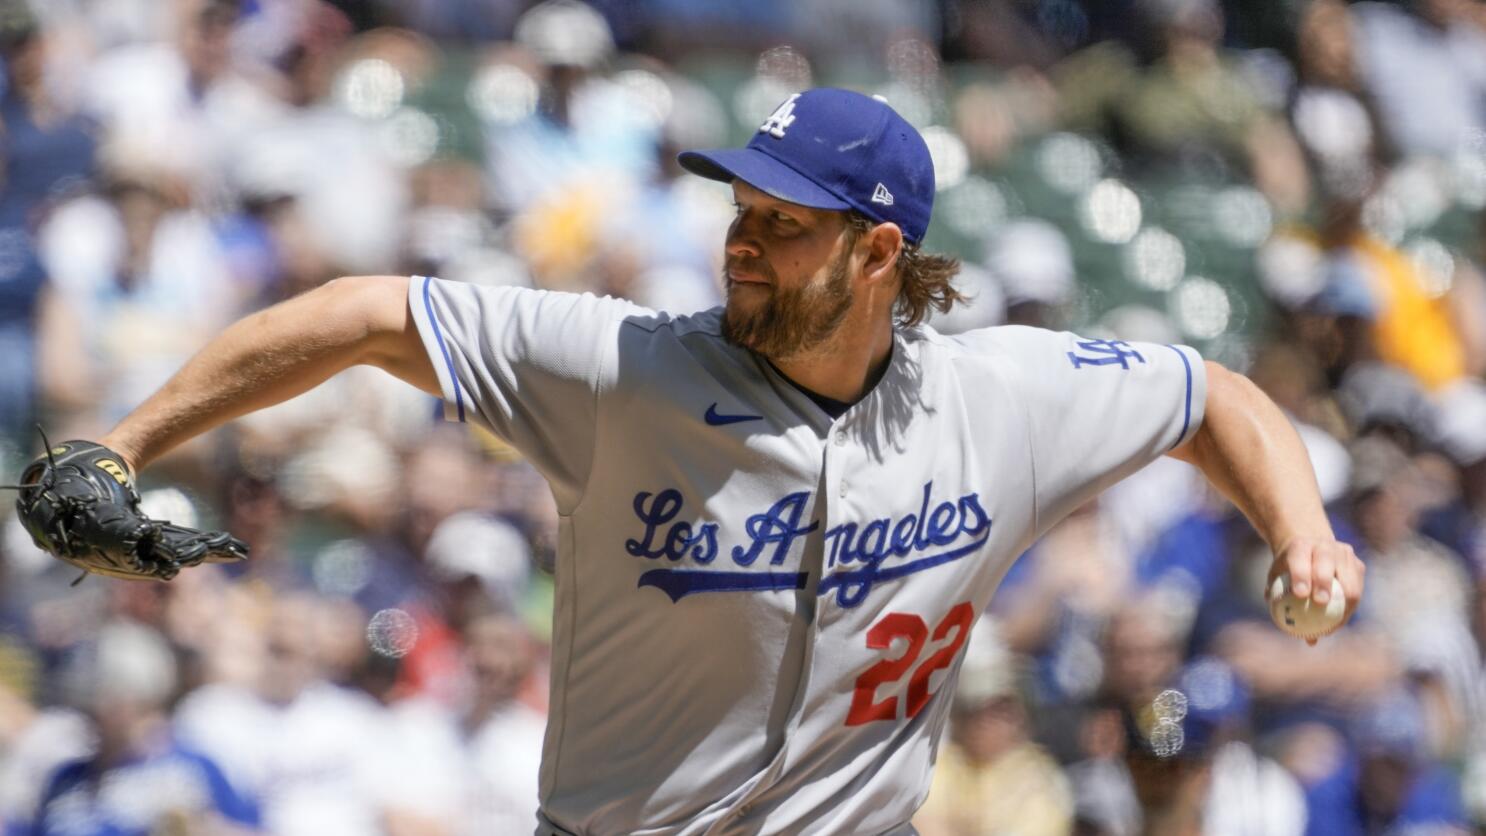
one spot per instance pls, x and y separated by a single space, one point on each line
148 275
49 149
1368 301
1333 115
170 166
1183 103
580 134
1386 402
139 780
1188 766
1461 431
503 736
35 738
1425 62
1412 580
309 750
1191 761
184 93
1047 609
1391 786
1142 652
458 20
471 768
482 562
1034 264
1418 592
991 777
47 153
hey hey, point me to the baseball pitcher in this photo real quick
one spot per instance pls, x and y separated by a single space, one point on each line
779 518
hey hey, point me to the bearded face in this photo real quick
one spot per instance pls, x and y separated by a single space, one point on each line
784 322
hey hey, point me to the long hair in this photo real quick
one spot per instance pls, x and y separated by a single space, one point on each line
927 278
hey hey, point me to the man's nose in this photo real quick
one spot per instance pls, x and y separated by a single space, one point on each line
741 240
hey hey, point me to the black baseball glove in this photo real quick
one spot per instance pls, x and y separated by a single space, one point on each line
79 503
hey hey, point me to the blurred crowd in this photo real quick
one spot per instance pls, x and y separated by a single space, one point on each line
1296 187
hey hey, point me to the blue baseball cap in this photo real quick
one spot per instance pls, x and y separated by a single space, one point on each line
833 149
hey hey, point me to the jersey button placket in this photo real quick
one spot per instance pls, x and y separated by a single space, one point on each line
835 459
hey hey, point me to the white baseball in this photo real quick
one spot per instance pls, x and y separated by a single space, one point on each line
1303 617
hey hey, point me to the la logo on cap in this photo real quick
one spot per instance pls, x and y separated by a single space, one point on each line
782 117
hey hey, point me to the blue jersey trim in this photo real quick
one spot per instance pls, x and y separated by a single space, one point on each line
438 335
1187 410
679 583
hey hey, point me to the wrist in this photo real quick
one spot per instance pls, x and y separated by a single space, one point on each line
1290 540
124 449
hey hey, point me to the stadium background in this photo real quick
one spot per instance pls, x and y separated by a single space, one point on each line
1294 187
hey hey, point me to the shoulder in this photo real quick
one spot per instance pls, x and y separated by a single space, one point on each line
658 344
1013 345
535 311
704 324
425 290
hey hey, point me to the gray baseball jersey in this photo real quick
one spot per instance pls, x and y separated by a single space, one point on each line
760 609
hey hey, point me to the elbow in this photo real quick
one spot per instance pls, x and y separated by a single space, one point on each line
1229 392
1226 390
1222 384
374 306
387 336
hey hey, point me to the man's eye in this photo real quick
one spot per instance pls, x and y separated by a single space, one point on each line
780 217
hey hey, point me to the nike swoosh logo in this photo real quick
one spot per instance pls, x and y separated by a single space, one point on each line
719 420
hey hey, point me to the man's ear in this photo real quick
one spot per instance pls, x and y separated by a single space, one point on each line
882 245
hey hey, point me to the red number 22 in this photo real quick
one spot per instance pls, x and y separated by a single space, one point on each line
864 705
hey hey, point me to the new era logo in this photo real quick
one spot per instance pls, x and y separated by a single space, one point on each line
882 195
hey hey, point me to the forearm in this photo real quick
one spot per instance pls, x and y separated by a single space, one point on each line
272 356
1250 452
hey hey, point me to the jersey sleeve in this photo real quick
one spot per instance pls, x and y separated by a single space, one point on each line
1097 410
526 364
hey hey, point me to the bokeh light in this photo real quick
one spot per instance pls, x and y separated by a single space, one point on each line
1069 162
1167 738
951 160
1242 216
370 88
1155 259
1201 308
651 94
1468 172
502 94
410 136
1434 264
1384 217
392 633
758 97
909 101
1111 212
1170 705
343 568
974 208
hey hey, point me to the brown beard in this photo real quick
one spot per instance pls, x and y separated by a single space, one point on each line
791 321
